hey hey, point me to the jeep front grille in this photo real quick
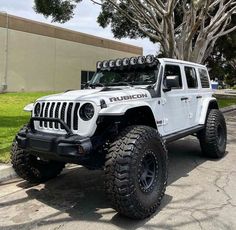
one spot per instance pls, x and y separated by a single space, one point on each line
66 111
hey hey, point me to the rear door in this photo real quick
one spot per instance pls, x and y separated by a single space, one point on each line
193 93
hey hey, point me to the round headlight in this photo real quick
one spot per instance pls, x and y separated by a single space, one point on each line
37 110
86 111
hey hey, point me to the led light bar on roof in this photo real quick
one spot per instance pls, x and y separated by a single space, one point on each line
141 60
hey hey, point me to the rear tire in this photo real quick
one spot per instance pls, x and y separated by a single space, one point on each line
136 172
28 167
213 137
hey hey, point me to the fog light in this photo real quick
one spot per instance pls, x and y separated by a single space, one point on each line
81 150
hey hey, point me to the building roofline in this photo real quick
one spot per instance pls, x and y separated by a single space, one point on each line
44 29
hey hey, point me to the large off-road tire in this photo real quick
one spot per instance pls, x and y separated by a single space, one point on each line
213 137
136 172
28 167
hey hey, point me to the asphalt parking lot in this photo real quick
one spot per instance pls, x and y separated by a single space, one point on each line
201 195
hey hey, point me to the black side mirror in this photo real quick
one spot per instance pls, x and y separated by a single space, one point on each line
171 82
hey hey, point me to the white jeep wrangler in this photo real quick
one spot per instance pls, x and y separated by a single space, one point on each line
121 123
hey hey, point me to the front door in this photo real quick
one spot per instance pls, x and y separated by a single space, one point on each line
175 107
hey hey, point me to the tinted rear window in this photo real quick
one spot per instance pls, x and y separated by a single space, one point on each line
191 77
204 78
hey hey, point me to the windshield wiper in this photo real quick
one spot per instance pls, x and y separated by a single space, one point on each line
121 83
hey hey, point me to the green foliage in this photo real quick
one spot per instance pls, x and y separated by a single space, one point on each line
120 26
222 61
12 118
60 10
226 102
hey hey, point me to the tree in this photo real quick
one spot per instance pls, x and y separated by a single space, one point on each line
186 29
222 61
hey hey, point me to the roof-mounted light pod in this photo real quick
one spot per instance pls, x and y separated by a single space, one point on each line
133 61
105 64
126 61
99 64
112 63
141 60
118 62
150 59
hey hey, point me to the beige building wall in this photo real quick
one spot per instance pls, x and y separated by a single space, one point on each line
51 58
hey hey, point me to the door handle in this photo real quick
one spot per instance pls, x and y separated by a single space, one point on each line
198 97
184 98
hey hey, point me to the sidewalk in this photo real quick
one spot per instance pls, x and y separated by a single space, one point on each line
6 172
224 93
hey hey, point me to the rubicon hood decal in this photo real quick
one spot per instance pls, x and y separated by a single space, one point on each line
129 97
95 95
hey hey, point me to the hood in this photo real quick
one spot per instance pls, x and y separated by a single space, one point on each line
110 95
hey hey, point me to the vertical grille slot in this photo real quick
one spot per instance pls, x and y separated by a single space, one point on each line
51 114
57 114
69 114
75 120
63 110
41 114
46 113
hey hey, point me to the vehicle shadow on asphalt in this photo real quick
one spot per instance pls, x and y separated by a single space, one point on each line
79 193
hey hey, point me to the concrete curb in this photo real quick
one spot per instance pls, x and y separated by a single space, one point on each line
6 172
228 109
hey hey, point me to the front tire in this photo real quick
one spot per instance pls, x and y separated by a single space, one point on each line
136 172
28 167
213 137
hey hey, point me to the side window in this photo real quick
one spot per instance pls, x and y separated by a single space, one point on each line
173 70
191 77
204 78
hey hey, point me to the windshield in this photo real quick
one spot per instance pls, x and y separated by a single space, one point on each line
140 76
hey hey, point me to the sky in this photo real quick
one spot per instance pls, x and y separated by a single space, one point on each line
84 21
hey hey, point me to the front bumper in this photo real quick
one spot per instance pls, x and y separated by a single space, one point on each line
69 148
